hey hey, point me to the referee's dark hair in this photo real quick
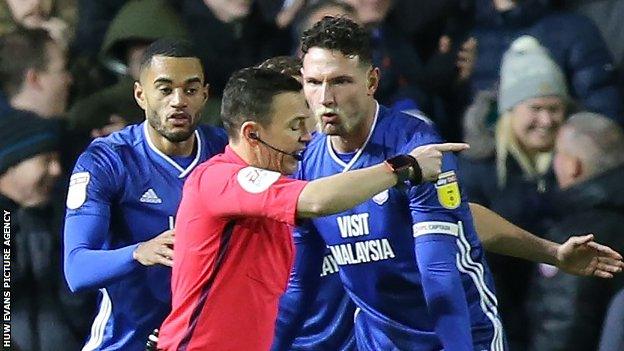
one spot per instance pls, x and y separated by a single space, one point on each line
248 96
341 34
168 47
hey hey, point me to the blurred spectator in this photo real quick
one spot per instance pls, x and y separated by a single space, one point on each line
613 327
37 79
231 34
573 41
58 17
314 12
138 24
95 17
566 311
515 178
44 314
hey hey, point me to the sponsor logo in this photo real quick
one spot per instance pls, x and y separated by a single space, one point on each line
150 197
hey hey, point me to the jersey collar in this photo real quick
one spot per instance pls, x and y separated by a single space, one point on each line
183 171
332 153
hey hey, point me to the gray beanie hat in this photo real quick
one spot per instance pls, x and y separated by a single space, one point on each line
528 72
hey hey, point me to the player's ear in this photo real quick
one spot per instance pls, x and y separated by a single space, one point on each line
139 95
206 92
249 132
372 81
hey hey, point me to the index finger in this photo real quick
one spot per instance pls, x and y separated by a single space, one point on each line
451 147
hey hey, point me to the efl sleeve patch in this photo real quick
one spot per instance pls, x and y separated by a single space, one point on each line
256 180
424 228
77 193
448 190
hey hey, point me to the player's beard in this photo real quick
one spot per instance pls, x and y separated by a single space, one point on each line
156 122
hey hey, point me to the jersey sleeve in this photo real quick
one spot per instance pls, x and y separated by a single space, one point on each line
302 285
94 184
254 192
436 210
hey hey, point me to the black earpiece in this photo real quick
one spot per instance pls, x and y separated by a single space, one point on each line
254 136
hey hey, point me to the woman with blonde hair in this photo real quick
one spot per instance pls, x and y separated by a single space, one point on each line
509 169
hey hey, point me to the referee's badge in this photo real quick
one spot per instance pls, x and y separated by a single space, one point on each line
448 190
77 193
256 180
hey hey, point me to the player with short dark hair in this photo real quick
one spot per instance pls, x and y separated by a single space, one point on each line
234 247
124 193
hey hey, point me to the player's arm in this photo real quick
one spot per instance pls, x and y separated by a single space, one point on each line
579 255
90 195
341 192
302 286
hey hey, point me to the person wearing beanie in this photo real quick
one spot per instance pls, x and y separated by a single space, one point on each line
42 316
513 173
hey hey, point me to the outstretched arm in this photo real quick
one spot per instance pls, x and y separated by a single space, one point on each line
579 255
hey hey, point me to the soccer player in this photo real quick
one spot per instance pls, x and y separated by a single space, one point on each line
234 248
428 292
124 193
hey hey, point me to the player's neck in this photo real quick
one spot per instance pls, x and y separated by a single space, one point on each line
169 148
355 139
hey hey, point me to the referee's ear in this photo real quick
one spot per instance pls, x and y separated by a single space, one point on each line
139 95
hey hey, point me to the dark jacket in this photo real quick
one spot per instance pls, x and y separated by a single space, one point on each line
567 311
44 313
573 41
524 202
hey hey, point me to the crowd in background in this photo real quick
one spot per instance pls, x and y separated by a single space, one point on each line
479 69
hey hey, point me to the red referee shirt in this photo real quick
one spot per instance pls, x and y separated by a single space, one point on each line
233 253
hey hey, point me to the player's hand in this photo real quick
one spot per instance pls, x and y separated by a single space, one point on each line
581 255
156 251
429 158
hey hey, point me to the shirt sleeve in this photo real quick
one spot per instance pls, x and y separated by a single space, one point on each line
93 186
255 192
302 285
435 210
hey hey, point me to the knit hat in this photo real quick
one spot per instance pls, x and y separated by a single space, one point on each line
528 72
24 135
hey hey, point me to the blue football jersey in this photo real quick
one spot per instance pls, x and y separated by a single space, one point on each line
373 245
124 191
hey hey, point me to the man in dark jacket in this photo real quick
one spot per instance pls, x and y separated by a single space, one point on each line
44 315
567 311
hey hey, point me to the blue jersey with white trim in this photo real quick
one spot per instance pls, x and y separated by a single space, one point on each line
124 191
382 245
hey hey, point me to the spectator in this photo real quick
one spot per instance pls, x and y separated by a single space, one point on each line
231 35
38 81
515 178
44 314
58 17
566 312
138 24
573 41
613 327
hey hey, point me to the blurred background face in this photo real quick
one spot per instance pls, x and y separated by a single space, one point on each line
56 80
172 93
336 87
30 12
371 11
535 122
33 179
229 10
564 164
